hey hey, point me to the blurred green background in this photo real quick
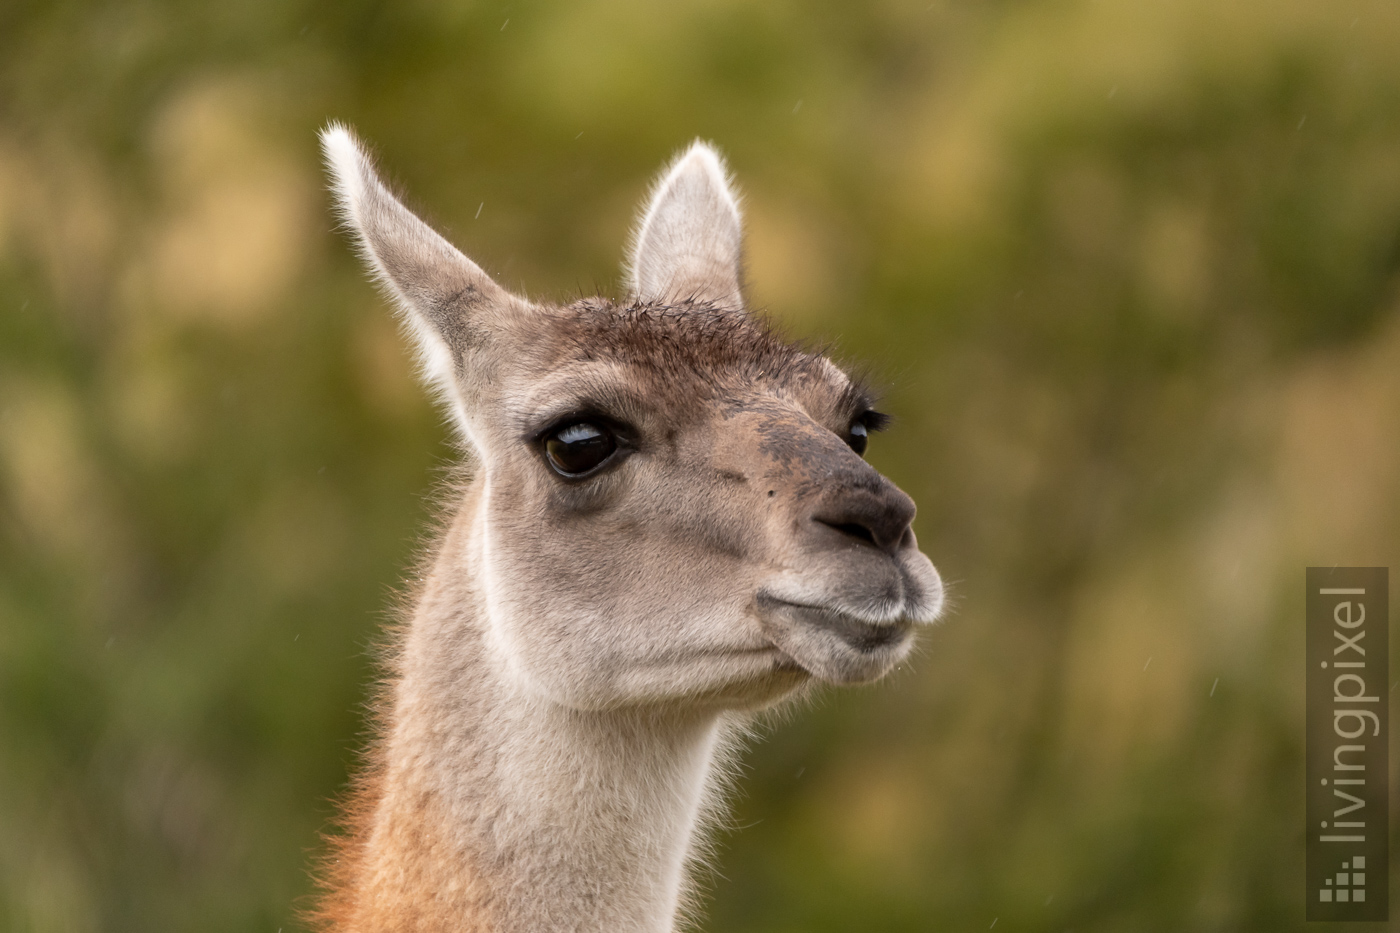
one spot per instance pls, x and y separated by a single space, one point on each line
1130 268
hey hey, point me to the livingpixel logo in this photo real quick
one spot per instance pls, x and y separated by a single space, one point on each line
1348 728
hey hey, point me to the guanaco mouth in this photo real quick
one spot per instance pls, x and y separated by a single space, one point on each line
863 636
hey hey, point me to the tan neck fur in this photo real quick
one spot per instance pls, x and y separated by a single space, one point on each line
496 810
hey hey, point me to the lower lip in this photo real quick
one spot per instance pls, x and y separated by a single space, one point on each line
862 636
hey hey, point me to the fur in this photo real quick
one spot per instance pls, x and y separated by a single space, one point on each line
563 702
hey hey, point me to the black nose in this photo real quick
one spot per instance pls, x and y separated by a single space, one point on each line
880 517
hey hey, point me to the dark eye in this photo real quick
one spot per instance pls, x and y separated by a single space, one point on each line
858 435
858 438
579 448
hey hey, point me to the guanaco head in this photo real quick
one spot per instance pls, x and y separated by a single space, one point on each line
670 502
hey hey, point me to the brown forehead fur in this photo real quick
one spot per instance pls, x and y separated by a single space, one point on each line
697 347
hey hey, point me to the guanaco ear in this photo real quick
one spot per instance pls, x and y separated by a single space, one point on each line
448 303
689 238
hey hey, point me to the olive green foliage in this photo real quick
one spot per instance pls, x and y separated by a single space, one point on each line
1129 268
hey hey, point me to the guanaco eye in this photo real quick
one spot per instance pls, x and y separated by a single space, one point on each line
858 438
579 448
859 434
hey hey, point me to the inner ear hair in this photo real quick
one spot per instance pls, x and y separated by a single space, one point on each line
688 244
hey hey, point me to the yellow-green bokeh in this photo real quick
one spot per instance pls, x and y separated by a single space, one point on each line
1128 267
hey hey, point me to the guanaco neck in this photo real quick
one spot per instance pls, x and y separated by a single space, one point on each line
495 810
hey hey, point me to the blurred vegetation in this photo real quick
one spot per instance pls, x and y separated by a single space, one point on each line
1130 269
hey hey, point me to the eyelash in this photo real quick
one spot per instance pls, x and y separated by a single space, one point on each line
872 420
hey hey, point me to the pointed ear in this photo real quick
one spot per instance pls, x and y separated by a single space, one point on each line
689 238
447 301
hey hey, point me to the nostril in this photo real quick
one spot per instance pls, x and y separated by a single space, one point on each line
853 529
881 520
